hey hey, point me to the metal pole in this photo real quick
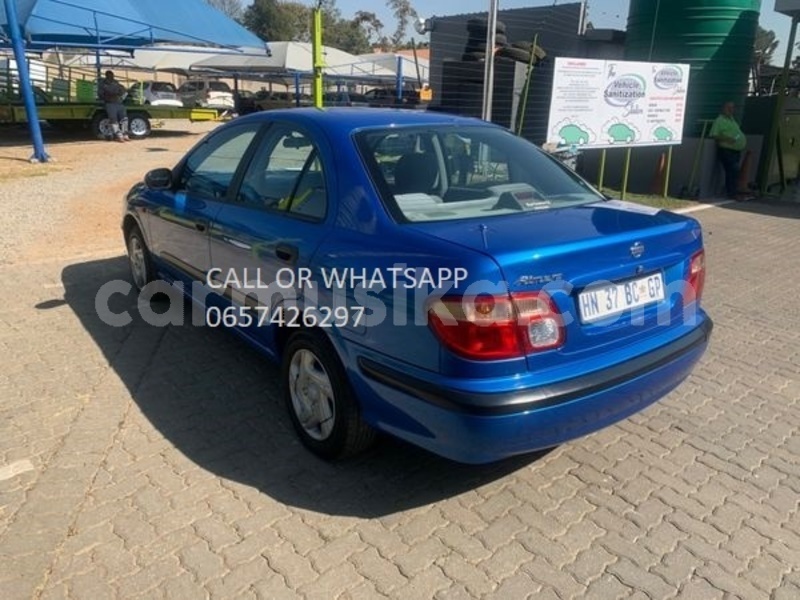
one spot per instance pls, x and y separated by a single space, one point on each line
488 75
297 88
39 153
626 172
399 79
316 33
602 175
766 165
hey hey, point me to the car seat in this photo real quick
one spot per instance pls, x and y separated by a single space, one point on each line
415 173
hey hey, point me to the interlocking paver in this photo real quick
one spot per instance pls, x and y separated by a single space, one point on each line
165 465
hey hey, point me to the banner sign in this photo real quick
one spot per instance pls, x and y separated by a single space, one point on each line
614 103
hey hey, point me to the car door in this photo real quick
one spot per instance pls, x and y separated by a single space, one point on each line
263 241
180 221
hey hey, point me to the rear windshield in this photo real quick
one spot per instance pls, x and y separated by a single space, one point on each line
450 172
219 86
162 86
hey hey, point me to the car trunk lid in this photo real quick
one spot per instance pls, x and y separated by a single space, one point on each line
580 255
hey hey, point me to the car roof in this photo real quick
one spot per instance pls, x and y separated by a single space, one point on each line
349 119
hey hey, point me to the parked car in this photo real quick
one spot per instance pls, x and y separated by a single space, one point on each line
344 98
388 97
265 100
206 93
245 102
428 276
154 93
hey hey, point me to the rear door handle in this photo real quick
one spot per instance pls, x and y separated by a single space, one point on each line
237 243
286 253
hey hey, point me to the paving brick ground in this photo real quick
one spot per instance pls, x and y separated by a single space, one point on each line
161 464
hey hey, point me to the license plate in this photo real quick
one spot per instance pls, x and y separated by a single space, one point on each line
599 303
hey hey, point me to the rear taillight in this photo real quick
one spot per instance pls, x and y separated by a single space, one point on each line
696 280
495 327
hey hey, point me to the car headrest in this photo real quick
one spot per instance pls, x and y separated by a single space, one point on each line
415 173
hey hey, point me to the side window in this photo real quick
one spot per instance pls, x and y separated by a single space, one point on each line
286 175
209 170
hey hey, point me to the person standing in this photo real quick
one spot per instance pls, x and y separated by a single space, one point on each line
730 143
112 92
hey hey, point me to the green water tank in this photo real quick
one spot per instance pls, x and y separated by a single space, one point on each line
715 37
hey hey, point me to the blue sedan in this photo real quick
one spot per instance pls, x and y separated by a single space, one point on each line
428 276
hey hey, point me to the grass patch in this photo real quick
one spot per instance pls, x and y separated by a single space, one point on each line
656 201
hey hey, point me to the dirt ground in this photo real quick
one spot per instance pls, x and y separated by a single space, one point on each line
72 204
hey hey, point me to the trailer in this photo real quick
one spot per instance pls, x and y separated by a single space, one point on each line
92 116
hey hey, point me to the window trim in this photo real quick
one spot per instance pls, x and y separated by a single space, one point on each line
276 127
180 168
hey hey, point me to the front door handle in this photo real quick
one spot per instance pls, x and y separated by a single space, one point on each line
287 253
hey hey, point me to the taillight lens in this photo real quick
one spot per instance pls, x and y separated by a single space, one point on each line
495 327
696 280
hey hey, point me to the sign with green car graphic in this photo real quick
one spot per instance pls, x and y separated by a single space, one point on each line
612 104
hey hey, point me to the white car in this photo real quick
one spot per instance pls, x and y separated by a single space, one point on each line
206 93
155 93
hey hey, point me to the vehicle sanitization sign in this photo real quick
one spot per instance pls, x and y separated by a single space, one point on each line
610 104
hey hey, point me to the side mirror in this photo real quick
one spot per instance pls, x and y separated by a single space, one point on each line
159 179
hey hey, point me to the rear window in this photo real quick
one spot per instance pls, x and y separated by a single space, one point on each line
219 86
162 86
450 172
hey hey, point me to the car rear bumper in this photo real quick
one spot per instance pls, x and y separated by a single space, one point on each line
479 427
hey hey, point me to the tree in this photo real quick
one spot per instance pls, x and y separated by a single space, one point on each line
403 12
763 50
276 20
232 8
273 21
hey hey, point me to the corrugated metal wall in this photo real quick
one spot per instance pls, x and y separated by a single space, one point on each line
557 27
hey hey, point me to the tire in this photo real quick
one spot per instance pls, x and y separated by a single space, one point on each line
517 54
320 401
139 126
473 56
529 47
139 259
101 126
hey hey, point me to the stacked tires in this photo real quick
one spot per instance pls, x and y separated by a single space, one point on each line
475 49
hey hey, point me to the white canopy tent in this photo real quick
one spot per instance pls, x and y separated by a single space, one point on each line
287 58
393 62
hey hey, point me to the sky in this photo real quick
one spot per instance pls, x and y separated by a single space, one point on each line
602 13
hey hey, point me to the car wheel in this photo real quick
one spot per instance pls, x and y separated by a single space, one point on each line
139 126
101 126
138 258
321 404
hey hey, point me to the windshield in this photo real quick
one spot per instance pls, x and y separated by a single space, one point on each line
450 172
162 86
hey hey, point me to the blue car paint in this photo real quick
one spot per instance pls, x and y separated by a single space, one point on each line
359 231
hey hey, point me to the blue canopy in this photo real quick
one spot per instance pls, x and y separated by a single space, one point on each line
124 24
